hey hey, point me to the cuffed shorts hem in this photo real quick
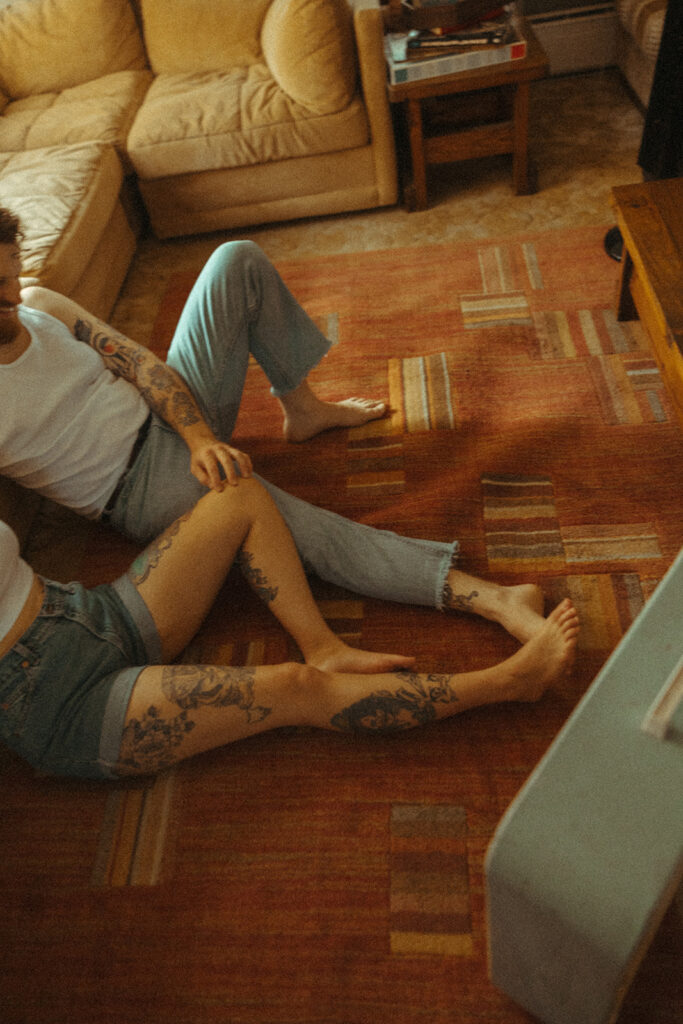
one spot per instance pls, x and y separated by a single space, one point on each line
66 684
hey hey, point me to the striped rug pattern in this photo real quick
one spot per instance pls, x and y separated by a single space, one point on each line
308 876
521 522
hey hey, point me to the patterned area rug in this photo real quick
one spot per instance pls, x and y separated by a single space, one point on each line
312 878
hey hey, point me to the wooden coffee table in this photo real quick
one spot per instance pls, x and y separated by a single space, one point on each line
650 218
507 134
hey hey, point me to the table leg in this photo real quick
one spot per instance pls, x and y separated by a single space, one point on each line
520 158
417 155
626 307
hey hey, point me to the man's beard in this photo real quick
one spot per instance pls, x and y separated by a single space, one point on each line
9 329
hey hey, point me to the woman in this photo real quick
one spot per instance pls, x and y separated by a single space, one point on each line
87 684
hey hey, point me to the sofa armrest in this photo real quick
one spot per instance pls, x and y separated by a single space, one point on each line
368 26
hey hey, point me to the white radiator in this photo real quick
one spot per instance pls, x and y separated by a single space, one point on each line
578 38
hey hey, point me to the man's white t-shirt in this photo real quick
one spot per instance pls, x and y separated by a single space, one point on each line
67 424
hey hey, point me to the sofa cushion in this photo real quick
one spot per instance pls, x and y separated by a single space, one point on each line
64 196
308 47
56 44
191 123
101 110
202 35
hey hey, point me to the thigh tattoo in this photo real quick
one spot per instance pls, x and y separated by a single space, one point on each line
150 743
149 559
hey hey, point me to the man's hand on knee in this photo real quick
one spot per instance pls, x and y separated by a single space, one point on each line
215 463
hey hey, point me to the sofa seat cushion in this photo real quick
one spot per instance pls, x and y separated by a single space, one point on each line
644 21
102 110
236 118
64 196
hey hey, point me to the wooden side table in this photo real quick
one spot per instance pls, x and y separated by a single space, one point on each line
507 135
650 218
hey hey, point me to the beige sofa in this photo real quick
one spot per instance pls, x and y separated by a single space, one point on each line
72 78
639 31
219 113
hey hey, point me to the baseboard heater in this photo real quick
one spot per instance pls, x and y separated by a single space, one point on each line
578 38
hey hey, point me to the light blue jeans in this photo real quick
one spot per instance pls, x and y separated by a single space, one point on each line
240 307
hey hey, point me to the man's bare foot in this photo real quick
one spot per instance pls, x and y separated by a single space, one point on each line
545 658
342 658
306 415
518 609
521 610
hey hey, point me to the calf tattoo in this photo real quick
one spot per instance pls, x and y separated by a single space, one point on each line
255 578
152 742
413 704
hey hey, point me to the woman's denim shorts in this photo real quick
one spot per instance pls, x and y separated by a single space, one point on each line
65 685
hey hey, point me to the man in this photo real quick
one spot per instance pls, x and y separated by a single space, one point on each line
97 422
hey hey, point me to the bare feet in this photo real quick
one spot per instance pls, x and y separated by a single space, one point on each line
342 658
518 609
521 610
545 658
306 415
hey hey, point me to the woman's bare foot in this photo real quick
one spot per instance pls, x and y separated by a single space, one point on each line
518 609
546 657
342 658
306 415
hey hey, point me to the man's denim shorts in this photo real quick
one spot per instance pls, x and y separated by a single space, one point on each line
66 684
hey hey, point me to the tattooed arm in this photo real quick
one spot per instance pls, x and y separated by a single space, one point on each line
164 390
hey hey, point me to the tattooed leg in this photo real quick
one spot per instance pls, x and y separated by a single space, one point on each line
255 578
181 574
178 711
170 713
395 710
408 699
151 557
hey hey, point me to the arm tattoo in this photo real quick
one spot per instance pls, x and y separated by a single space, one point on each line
112 346
151 743
184 410
413 704
255 578
158 384
149 559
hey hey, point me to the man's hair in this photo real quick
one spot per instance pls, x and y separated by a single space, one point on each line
10 227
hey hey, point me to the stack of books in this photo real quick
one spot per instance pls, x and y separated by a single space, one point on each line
462 35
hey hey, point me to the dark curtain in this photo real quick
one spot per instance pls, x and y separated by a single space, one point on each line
661 149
